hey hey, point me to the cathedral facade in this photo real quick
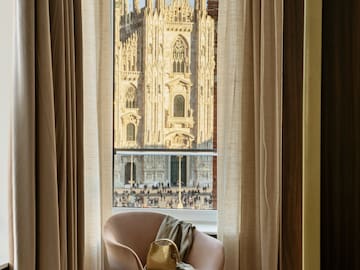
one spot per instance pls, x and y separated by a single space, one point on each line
164 91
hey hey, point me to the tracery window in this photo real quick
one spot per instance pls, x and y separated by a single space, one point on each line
179 106
180 56
131 98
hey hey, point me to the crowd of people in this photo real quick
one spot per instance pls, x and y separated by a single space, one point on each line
163 196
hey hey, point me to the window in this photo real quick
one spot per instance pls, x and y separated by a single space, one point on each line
180 56
179 106
130 131
165 117
130 98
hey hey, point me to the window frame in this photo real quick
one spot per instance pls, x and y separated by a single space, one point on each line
179 106
130 132
204 220
180 64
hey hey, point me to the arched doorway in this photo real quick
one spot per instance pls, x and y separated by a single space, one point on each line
128 172
175 171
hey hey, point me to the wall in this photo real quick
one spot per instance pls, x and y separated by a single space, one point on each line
291 235
6 85
340 149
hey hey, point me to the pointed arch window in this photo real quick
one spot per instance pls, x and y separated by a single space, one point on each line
130 98
179 106
130 132
180 56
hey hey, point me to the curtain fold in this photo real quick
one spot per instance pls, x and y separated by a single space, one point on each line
98 120
47 147
249 132
93 245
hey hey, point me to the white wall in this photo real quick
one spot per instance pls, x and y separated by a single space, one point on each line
7 14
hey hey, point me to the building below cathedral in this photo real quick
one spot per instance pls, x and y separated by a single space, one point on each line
164 92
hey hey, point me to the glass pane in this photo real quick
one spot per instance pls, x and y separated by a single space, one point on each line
164 105
130 132
179 106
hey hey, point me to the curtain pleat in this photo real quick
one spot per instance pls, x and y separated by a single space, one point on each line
48 174
93 224
98 120
23 209
249 132
46 171
79 148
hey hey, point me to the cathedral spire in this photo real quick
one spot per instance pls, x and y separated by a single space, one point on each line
136 6
180 2
149 4
160 4
120 6
126 8
200 5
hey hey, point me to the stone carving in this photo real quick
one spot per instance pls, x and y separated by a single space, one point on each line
179 11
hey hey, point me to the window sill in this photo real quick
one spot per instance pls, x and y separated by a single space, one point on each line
204 220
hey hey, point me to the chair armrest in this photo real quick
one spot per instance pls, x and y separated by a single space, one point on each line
207 253
121 256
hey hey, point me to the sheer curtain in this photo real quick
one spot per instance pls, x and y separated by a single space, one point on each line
97 35
47 137
249 131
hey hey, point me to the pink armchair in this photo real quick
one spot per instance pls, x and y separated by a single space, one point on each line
127 238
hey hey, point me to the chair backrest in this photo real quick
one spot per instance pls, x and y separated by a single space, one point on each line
136 230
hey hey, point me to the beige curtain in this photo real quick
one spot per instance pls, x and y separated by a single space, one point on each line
47 147
249 130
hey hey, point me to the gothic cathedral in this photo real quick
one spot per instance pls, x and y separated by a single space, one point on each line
164 90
